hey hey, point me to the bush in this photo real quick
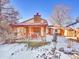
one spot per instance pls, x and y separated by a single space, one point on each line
36 44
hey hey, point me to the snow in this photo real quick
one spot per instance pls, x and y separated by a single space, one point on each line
7 50
20 51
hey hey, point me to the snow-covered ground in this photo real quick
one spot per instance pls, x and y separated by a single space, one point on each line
20 51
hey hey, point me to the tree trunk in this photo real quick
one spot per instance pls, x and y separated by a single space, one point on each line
55 36
55 40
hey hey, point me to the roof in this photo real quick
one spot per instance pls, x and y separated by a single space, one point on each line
75 26
32 19
30 22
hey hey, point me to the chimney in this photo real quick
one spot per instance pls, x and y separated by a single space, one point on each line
37 18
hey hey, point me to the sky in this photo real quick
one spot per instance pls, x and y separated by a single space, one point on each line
28 8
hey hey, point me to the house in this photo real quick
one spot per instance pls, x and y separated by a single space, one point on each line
73 32
57 28
70 33
38 27
67 32
33 27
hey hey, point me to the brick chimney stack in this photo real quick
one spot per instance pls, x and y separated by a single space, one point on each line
37 18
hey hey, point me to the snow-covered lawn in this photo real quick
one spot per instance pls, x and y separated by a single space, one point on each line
20 51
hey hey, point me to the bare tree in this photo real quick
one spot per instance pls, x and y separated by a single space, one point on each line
8 15
60 17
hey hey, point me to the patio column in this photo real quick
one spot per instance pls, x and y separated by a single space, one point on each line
42 31
30 32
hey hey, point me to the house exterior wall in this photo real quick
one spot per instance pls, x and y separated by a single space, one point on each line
62 31
70 33
77 34
65 33
21 32
28 31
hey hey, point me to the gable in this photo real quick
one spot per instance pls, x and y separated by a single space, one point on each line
32 21
36 20
29 21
